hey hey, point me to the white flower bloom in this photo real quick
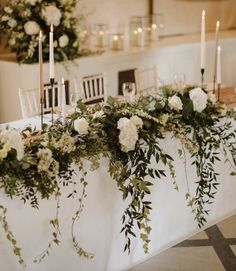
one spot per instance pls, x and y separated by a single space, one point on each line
4 151
63 41
129 132
81 126
75 43
122 122
52 15
211 97
12 23
31 2
199 99
152 106
14 140
175 103
11 42
8 10
5 18
46 162
222 110
163 119
128 137
137 121
31 28
55 44
98 114
26 13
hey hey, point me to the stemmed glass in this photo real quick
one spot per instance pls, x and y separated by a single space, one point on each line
129 89
74 97
179 81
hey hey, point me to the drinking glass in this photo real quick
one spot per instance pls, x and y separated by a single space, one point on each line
128 89
74 97
179 81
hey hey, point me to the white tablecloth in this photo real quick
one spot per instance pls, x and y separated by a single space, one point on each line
100 224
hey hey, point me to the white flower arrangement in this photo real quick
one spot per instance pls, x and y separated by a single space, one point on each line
81 125
12 140
22 21
199 99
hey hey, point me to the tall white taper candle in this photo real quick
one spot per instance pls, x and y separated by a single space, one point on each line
41 68
203 29
216 48
51 54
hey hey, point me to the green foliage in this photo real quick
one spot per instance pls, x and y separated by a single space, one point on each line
50 155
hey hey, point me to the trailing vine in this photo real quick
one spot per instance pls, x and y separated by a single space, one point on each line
10 237
39 164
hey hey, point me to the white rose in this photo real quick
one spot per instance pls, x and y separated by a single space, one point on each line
31 28
137 121
81 126
63 41
128 137
211 97
13 138
199 99
175 103
52 15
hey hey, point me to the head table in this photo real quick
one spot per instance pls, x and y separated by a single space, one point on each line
98 229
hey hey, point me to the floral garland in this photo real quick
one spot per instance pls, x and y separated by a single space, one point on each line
22 21
37 164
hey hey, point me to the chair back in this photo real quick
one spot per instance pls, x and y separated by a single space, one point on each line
30 100
94 88
146 79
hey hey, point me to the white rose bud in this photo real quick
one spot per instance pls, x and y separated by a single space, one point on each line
63 41
175 103
31 28
81 126
199 99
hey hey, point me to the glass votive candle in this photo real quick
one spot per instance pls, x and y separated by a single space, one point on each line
139 30
116 42
101 36
157 26
134 25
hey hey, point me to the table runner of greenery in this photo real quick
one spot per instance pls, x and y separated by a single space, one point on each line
38 164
